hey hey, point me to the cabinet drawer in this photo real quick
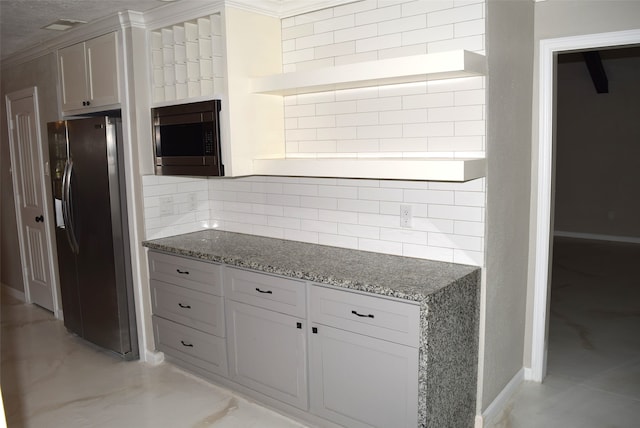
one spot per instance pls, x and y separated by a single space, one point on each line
193 274
366 314
278 294
200 349
191 308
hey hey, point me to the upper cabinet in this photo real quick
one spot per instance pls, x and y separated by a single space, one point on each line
89 74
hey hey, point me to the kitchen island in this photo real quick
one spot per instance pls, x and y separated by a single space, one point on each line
447 296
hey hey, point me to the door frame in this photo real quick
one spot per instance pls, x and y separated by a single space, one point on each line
9 98
549 48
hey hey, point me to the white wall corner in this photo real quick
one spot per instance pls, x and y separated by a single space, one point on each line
528 374
495 409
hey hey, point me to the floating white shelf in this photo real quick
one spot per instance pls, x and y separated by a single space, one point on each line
430 169
435 66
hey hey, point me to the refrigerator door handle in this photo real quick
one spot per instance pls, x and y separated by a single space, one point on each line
67 214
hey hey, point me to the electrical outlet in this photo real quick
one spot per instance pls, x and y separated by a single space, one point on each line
405 216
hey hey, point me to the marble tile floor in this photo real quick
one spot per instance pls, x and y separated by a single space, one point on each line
593 368
52 379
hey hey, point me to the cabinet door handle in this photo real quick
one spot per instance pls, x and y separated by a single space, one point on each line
40 218
182 272
314 330
362 315
184 306
188 345
264 291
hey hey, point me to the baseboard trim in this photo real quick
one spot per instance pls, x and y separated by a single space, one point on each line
153 357
596 237
499 403
14 293
528 374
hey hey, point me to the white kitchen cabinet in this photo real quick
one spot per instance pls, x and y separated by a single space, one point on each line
267 352
188 312
363 359
89 75
266 334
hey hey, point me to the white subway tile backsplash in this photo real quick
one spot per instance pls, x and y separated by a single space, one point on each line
319 15
402 24
378 246
380 194
459 113
283 222
293 32
379 104
336 49
319 226
455 213
378 220
428 196
474 97
403 116
380 131
469 28
427 35
317 122
314 40
338 240
405 144
457 14
409 50
301 236
355 58
338 216
355 7
332 24
426 252
358 206
318 202
471 127
408 236
474 258
358 146
469 228
471 199
381 42
317 146
423 7
378 15
357 119
462 242
358 231
356 33
455 144
299 55
470 43
442 99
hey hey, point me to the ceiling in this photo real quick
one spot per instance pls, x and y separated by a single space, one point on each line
21 21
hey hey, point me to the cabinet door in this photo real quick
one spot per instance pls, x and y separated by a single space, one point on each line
73 77
102 70
267 352
359 381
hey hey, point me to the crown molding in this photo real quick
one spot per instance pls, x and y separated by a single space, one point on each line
285 8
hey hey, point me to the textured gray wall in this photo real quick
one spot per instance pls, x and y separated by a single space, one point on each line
509 81
40 72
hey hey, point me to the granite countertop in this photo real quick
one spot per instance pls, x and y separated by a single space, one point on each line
394 276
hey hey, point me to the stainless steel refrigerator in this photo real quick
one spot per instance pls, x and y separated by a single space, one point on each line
92 236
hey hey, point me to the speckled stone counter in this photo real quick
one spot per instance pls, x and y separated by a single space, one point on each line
448 295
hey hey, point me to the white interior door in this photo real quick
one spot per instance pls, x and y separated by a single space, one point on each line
28 185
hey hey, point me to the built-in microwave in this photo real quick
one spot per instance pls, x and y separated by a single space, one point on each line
186 139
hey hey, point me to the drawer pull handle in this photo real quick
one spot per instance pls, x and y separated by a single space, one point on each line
182 272
362 315
184 306
188 345
264 291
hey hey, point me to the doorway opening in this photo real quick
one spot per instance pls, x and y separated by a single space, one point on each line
550 50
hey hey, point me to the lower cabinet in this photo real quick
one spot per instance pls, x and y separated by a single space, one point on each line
360 381
363 359
335 355
267 352
193 347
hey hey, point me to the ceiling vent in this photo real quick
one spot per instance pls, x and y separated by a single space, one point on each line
63 24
